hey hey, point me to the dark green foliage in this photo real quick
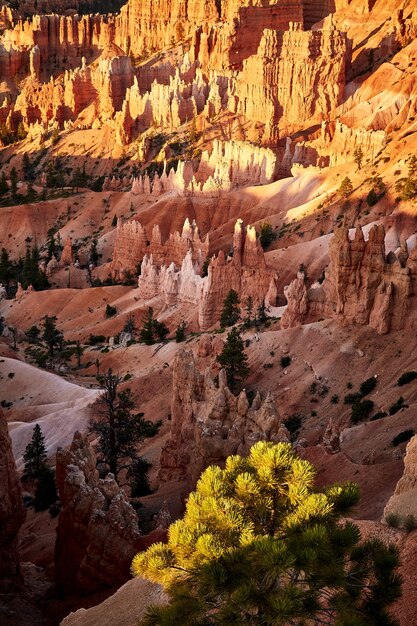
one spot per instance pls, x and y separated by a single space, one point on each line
147 332
259 546
402 437
393 520
234 360
249 321
334 399
138 477
368 386
397 406
180 332
358 157
5 268
378 416
51 335
266 235
410 523
45 493
114 221
361 410
34 455
110 310
231 312
130 325
406 378
119 430
261 315
351 398
4 187
30 273
33 334
161 330
372 198
13 182
346 187
93 253
285 360
93 340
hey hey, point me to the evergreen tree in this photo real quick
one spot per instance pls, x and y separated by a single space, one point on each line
5 268
34 455
130 326
161 330
13 182
120 430
249 310
260 545
261 315
51 335
138 477
358 157
266 235
45 493
26 165
180 332
33 334
146 333
231 312
51 245
233 359
4 187
346 187
204 269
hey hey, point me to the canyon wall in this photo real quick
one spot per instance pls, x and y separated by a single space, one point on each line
209 423
363 285
97 533
12 513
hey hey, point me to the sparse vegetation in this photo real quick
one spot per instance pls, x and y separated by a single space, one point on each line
231 311
406 378
397 406
285 360
234 360
402 437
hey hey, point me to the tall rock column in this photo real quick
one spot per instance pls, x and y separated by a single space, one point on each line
12 513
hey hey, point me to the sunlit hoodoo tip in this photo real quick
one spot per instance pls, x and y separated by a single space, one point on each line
238 226
186 230
251 233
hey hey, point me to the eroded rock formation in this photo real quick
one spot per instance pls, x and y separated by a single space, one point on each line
363 285
209 423
404 500
12 513
98 533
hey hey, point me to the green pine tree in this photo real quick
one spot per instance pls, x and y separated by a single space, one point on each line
231 312
13 182
4 187
51 335
5 268
180 332
234 360
260 545
120 431
34 455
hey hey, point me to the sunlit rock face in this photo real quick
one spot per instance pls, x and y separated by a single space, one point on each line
363 285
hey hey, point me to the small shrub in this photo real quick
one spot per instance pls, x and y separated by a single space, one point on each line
393 520
285 361
397 406
110 311
93 340
334 399
410 523
361 410
378 416
10 375
368 386
351 398
406 378
402 437
349 385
